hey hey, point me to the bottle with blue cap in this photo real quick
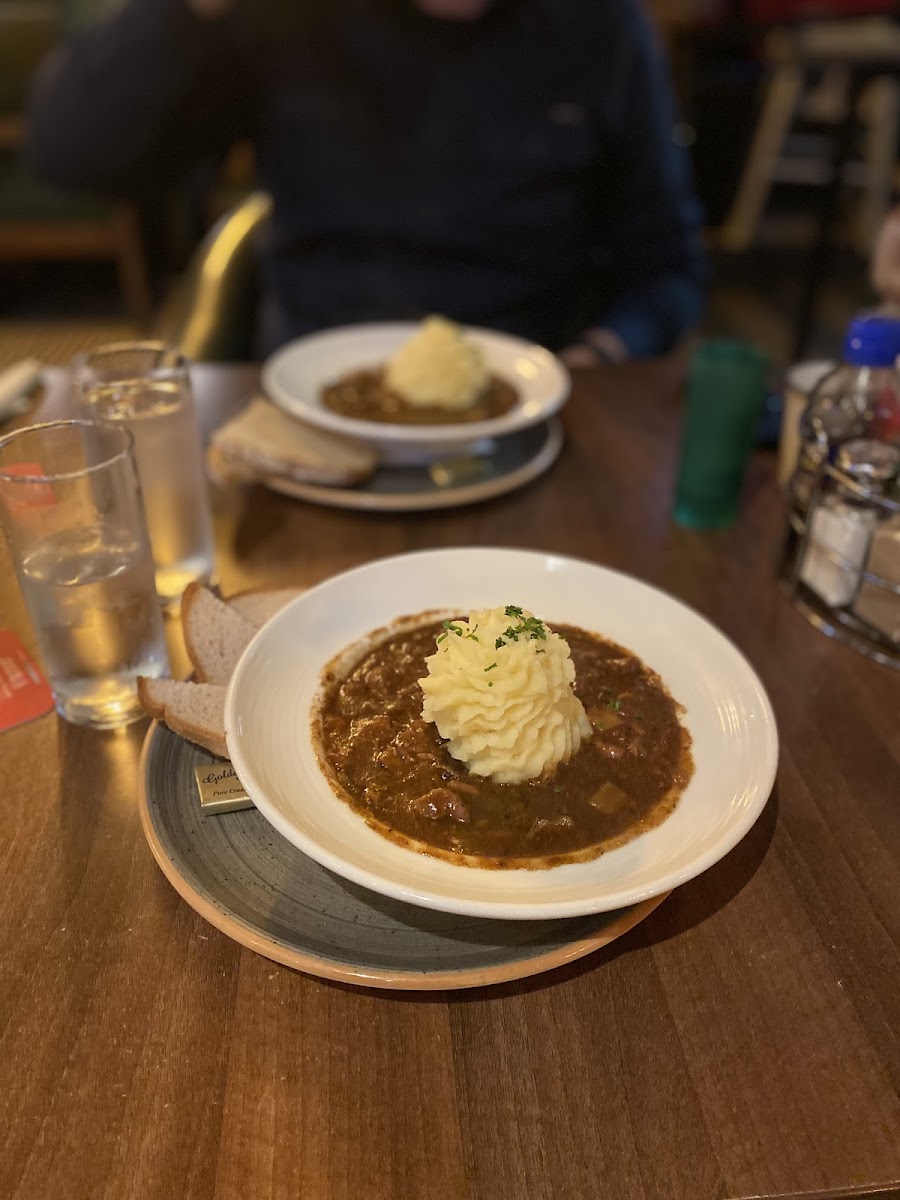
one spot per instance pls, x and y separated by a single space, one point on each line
860 398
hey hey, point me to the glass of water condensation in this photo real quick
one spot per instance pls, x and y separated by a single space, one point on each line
146 386
70 504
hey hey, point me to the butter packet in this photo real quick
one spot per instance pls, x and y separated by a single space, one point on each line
219 788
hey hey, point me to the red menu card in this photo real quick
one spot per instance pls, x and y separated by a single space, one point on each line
24 692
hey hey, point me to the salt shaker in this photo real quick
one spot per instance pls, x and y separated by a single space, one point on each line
878 600
843 523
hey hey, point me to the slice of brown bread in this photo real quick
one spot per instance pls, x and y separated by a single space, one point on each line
263 441
258 607
195 711
215 633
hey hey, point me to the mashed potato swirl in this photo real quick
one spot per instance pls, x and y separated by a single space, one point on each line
499 689
439 367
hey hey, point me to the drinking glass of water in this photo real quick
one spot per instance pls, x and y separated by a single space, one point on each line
70 505
146 386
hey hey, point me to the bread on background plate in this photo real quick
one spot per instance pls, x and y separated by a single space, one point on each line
263 442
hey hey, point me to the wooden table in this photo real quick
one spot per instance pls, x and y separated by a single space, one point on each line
743 1041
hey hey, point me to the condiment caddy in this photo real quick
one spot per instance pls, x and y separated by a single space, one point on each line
841 556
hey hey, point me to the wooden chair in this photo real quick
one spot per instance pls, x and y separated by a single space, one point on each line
842 77
211 313
38 222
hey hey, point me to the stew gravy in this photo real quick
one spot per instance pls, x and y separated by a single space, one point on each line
394 769
364 396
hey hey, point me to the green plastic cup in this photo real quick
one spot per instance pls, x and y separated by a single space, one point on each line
726 390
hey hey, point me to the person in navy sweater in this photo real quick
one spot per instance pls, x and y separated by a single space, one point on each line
507 163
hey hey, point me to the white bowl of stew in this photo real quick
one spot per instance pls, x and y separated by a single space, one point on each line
528 384
281 687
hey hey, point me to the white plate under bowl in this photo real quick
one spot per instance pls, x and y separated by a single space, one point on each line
295 375
272 691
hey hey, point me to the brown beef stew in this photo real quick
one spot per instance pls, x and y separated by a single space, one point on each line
364 396
395 770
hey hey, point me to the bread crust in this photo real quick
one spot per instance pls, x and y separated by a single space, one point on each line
213 664
197 611
263 442
155 706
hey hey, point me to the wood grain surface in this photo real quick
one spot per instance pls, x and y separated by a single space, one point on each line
741 1042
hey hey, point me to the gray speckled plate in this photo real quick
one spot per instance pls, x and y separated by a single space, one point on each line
514 461
253 885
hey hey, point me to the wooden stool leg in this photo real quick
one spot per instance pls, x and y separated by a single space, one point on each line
132 267
826 220
880 112
742 222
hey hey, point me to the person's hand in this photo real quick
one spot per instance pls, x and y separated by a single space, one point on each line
579 355
596 346
208 9
885 272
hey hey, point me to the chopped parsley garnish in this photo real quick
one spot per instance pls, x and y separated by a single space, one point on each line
453 627
528 628
450 627
490 668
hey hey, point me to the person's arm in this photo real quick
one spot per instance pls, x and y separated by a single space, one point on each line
654 221
152 87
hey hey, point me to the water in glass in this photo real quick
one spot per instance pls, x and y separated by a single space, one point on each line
160 415
94 611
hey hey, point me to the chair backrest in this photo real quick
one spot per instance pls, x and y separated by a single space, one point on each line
212 311
27 33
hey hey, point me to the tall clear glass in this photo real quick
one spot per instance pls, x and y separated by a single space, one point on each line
146 386
70 505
